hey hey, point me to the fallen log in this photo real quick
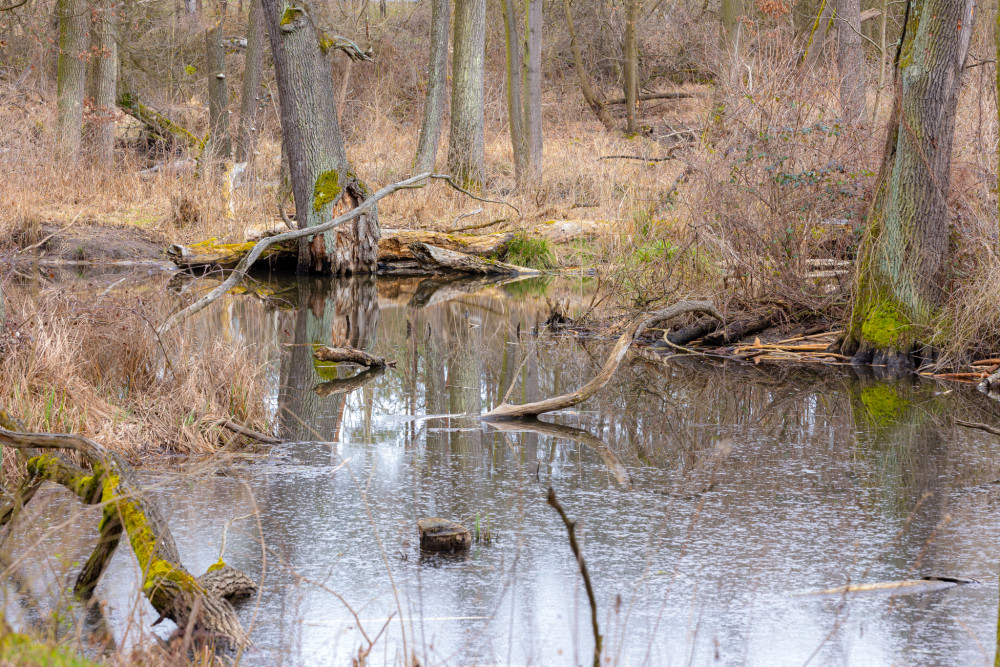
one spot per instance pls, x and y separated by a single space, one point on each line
199 602
507 411
672 95
350 355
441 260
739 329
347 385
395 243
699 329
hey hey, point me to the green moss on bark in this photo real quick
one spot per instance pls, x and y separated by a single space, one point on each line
326 190
886 327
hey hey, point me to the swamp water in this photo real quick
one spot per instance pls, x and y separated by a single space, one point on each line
709 496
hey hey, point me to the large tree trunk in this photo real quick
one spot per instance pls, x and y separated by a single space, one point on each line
437 88
219 142
631 83
74 19
466 159
898 290
589 97
102 85
731 14
818 35
532 89
253 77
322 181
851 62
515 105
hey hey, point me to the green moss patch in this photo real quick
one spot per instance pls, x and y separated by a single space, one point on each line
326 191
886 327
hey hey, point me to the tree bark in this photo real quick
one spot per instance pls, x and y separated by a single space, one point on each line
219 142
731 14
437 88
631 83
588 94
851 62
253 77
466 153
898 288
322 182
818 35
515 104
102 84
74 20
532 88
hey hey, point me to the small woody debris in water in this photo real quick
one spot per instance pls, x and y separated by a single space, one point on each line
443 535
903 587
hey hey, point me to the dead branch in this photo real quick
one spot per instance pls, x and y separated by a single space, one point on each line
438 260
980 426
350 355
673 95
507 411
571 530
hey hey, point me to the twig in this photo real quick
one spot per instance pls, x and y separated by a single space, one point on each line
979 425
571 529
469 214
447 179
49 237
479 226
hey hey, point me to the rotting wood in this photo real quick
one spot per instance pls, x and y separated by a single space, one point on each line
672 95
169 587
507 411
737 330
351 355
699 329
440 260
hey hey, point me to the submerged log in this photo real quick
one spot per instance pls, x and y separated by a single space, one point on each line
202 602
507 411
443 535
440 260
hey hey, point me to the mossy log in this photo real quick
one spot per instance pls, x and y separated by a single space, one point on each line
159 125
349 355
173 591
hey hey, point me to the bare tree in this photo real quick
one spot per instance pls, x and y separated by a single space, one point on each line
595 104
71 74
253 76
515 105
220 144
466 153
631 79
851 62
818 35
102 83
322 182
730 36
437 88
532 88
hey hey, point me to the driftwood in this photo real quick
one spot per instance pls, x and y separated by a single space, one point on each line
350 355
737 330
199 602
441 260
507 411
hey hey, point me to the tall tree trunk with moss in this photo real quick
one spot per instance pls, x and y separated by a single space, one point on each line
898 289
74 20
466 153
437 88
851 62
631 79
219 142
102 84
253 77
532 88
818 35
515 104
322 182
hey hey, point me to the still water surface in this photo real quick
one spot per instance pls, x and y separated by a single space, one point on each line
708 495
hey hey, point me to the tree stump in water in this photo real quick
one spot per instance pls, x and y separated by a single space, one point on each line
443 535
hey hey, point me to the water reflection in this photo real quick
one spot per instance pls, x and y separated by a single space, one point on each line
707 494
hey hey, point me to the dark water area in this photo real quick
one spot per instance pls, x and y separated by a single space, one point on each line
709 496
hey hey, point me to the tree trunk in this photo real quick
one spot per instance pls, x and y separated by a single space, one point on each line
851 62
515 105
190 7
532 89
322 182
253 77
74 19
102 85
898 290
219 142
631 66
818 35
588 94
466 158
437 88
731 14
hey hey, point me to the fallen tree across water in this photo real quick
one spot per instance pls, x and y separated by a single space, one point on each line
199 604
507 411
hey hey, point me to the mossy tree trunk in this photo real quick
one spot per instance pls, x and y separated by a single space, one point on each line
253 77
219 142
437 88
898 288
515 103
818 35
631 79
851 62
322 182
74 20
532 88
466 153
102 84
